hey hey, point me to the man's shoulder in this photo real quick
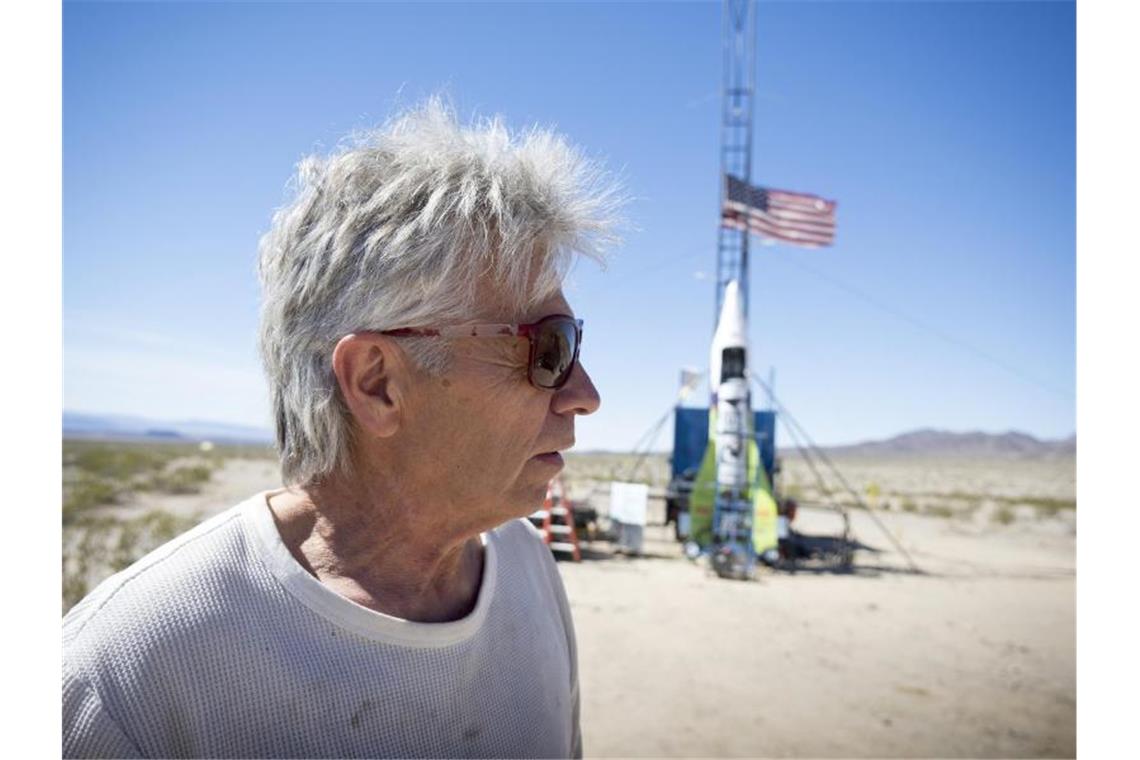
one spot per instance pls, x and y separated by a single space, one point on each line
181 579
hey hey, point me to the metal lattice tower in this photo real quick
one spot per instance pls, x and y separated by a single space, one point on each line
739 34
732 510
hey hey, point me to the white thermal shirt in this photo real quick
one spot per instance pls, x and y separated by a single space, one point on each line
219 644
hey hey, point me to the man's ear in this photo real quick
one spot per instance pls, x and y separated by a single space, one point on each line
372 376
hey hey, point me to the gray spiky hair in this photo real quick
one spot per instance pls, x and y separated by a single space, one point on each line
401 227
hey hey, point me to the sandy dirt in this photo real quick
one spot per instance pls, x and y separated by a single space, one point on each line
974 658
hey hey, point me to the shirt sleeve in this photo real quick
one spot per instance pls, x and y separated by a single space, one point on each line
88 731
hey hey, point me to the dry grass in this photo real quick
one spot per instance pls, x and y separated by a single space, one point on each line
652 469
99 475
950 487
105 529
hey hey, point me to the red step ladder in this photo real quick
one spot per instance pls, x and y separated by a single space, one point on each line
556 521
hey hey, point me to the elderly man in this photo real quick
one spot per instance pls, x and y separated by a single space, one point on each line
424 375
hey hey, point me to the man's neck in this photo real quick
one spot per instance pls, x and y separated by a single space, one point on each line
381 552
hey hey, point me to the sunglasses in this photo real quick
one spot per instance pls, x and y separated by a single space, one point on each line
554 343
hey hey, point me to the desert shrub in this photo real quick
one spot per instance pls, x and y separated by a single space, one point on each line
967 512
98 473
221 452
185 479
653 470
970 501
1047 506
74 589
908 505
103 546
127 547
118 462
1004 516
84 492
939 510
162 526
84 549
102 476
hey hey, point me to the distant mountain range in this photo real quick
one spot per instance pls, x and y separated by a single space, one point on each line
923 442
927 441
107 426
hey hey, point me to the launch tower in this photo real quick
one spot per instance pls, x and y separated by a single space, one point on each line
739 35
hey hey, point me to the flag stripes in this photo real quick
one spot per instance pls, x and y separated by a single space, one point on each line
796 218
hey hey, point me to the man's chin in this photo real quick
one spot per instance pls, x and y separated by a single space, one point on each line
527 500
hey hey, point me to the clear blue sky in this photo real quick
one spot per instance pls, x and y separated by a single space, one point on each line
944 130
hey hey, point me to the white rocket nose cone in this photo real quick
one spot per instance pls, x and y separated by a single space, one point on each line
730 327
731 331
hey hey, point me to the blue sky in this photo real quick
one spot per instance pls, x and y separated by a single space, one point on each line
944 130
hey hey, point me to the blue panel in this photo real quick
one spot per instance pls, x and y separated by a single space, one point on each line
765 427
691 435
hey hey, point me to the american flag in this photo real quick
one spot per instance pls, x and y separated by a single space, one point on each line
796 218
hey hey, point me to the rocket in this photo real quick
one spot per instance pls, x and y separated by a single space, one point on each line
731 504
731 397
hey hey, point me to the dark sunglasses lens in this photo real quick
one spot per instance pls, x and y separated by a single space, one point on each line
556 345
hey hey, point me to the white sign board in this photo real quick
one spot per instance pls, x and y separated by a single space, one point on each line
629 502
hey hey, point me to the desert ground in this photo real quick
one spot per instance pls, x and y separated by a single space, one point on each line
974 656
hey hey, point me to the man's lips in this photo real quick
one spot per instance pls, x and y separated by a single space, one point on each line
554 456
550 457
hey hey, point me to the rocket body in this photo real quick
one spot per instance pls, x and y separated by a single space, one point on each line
732 435
728 379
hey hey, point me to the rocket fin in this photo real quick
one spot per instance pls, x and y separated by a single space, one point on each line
764 519
702 499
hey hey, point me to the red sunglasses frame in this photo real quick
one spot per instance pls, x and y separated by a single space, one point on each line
497 330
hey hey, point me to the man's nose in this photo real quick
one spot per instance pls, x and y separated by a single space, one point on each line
578 396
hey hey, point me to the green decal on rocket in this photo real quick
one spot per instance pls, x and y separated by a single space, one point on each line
764 529
703 497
